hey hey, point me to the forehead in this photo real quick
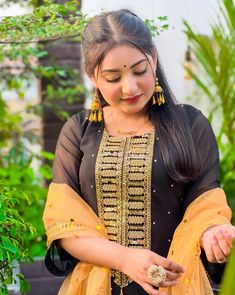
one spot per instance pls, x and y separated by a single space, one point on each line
122 55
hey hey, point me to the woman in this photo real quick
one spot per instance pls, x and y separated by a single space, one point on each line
147 167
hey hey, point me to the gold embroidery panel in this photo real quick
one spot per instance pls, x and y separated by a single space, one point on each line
123 187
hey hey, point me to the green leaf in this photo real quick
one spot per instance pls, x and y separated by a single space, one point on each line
24 286
8 245
47 155
46 171
3 217
228 283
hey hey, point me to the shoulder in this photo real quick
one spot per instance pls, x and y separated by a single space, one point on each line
191 112
79 118
77 121
75 126
194 116
201 128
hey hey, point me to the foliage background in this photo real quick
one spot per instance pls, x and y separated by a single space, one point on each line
215 78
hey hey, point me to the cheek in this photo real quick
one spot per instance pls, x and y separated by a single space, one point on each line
109 92
149 84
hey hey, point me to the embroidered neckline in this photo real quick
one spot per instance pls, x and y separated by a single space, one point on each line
128 136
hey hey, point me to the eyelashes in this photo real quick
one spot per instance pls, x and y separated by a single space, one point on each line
141 73
113 81
135 73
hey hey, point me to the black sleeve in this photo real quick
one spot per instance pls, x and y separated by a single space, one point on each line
68 155
208 155
66 170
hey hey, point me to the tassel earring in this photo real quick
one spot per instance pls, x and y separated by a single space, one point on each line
96 114
158 96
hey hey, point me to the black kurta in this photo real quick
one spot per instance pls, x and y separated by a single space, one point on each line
74 165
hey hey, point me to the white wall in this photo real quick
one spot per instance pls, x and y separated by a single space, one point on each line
172 43
13 9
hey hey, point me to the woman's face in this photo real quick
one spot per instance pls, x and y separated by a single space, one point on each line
126 79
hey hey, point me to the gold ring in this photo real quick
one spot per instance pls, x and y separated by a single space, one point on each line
156 274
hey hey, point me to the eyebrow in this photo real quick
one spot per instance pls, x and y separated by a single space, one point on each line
118 70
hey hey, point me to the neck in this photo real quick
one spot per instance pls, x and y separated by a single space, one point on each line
120 123
129 117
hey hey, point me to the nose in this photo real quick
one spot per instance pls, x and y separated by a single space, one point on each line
129 86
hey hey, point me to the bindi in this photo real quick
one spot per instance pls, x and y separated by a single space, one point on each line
124 66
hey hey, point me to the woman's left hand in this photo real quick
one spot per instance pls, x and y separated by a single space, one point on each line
217 242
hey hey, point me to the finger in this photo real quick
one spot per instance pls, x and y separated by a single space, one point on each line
219 255
168 265
229 238
230 234
222 242
172 275
230 229
166 283
150 290
169 284
208 248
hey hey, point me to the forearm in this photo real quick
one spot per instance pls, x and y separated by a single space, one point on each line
133 262
96 250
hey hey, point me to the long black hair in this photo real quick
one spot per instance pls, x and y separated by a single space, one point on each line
107 30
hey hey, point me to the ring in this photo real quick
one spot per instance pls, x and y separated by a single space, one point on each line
156 274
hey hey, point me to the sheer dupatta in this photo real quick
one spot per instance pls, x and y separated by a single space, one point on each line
67 215
207 210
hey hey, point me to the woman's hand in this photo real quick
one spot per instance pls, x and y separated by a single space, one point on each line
136 263
217 242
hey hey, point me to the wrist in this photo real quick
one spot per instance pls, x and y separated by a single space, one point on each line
124 257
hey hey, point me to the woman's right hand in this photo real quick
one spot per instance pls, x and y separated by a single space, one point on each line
136 262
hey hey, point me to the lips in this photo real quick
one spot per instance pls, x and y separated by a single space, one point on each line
132 99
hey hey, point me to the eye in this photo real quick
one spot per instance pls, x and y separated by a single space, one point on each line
113 80
140 73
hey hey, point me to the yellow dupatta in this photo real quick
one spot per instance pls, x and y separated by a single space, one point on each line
67 214
207 210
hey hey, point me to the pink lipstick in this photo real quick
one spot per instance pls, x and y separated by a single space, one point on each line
132 99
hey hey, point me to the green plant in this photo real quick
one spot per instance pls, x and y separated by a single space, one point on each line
228 283
215 76
16 159
62 83
12 246
49 21
17 172
158 26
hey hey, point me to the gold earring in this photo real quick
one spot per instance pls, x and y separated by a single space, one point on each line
96 114
158 96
